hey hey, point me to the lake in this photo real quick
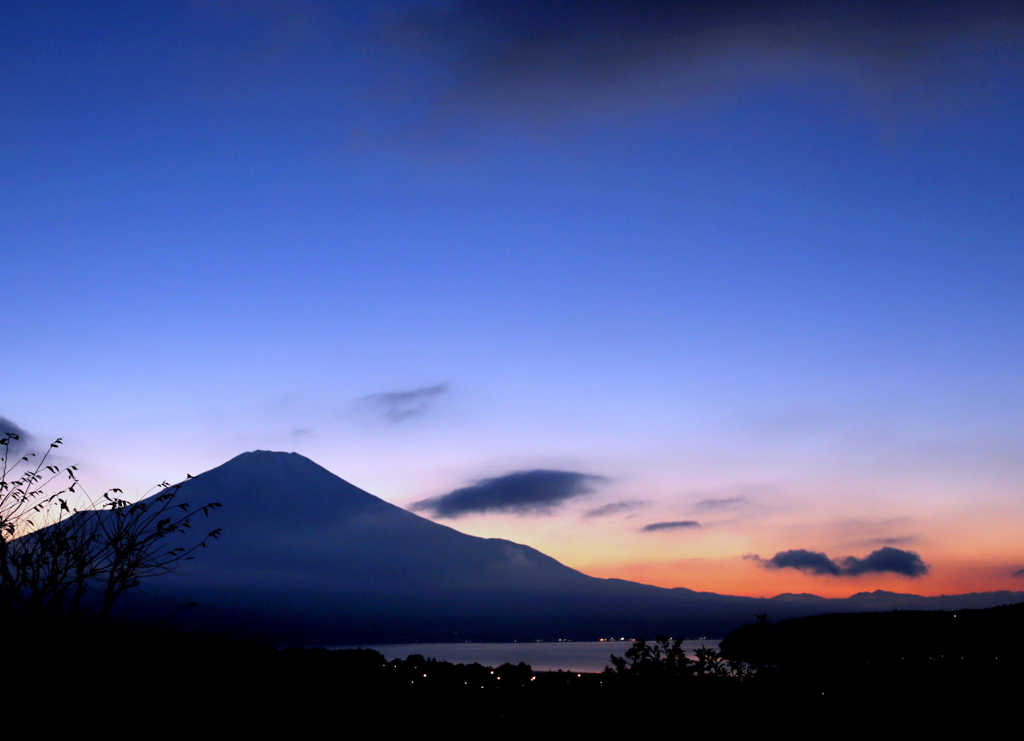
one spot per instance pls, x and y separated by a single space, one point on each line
542 656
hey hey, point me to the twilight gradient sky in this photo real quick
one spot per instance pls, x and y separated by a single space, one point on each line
754 266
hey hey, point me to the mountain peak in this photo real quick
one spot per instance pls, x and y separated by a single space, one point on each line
279 490
252 455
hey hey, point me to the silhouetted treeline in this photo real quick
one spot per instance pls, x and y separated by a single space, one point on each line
899 656
245 680
825 665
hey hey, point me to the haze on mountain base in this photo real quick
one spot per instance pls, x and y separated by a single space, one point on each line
307 557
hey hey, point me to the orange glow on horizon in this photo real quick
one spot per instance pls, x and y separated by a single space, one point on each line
746 579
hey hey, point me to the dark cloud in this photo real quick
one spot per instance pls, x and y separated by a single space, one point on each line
521 492
884 560
398 406
553 52
673 525
717 505
809 561
15 445
615 508
1019 572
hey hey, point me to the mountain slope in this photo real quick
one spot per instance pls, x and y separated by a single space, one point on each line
287 520
307 557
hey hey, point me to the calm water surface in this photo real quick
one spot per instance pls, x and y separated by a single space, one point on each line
576 656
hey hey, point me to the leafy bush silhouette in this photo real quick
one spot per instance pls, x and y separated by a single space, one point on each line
666 661
64 560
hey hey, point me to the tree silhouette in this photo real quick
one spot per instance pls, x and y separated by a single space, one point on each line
666 661
59 559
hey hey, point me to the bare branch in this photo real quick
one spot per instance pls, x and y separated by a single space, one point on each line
55 559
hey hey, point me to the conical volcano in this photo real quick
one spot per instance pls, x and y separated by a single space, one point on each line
288 523
306 557
304 553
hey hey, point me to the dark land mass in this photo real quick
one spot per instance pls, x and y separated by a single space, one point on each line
306 558
970 659
882 667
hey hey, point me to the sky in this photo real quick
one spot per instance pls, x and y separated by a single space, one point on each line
723 295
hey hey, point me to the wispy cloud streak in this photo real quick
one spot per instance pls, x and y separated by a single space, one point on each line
399 406
672 525
719 505
615 508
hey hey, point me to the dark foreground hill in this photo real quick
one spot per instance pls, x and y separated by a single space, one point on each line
152 681
305 557
939 638
923 672
943 664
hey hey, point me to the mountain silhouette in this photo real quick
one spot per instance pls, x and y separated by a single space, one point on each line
306 557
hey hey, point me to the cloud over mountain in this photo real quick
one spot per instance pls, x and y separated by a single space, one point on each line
803 560
884 560
520 492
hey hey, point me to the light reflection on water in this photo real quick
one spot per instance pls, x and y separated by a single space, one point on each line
547 656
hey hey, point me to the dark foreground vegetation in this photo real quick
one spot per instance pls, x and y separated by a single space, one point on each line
244 683
907 658
901 662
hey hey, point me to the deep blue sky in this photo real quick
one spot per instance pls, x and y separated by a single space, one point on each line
708 252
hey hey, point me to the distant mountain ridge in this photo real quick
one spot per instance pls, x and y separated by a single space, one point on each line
306 557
